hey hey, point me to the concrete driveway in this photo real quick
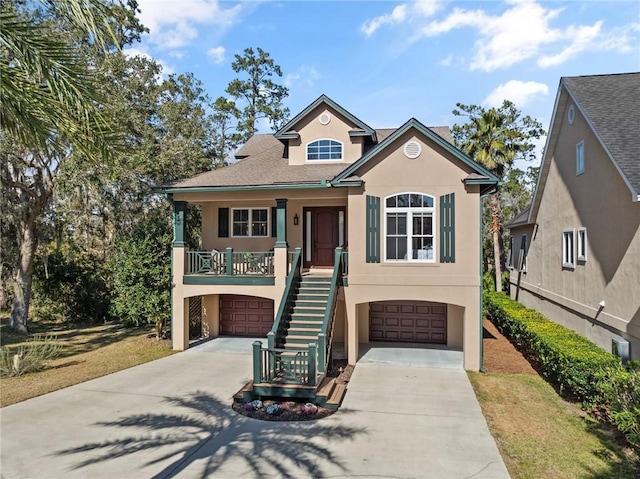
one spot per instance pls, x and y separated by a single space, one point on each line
172 418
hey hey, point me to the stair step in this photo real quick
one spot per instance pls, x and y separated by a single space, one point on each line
307 316
310 304
304 324
316 280
308 310
312 297
337 395
313 290
315 330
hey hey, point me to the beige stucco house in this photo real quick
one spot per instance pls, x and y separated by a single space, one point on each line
330 231
580 238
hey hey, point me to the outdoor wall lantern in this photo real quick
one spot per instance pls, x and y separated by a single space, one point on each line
295 219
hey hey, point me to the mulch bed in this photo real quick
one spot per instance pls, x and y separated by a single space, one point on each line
293 410
500 356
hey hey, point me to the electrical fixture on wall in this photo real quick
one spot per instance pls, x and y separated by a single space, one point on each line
295 219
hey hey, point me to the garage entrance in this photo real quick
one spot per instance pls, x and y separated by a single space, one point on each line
408 321
245 315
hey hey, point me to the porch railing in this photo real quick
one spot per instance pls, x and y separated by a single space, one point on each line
284 366
229 262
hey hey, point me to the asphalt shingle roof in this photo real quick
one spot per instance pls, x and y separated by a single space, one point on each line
612 104
262 164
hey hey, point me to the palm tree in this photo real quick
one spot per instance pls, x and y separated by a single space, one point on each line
495 138
49 108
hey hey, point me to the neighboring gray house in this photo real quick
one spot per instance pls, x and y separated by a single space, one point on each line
576 250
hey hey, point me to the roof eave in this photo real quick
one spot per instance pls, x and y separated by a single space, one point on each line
272 186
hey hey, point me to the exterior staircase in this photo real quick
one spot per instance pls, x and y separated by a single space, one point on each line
305 318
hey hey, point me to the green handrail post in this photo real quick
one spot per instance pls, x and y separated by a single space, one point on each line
271 344
257 362
229 261
311 364
322 351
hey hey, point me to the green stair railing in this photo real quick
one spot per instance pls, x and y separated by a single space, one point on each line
290 290
326 334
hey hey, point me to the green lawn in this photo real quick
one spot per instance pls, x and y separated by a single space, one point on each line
540 435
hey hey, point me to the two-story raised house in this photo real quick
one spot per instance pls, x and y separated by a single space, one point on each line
580 238
331 231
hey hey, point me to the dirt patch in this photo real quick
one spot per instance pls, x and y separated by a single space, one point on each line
499 355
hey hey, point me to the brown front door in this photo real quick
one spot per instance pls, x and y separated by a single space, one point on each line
324 235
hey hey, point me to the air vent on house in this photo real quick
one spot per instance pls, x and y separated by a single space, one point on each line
571 114
412 149
325 118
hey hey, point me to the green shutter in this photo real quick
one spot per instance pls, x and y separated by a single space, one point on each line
447 228
373 229
223 222
274 222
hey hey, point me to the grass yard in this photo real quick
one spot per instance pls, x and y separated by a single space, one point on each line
88 352
538 433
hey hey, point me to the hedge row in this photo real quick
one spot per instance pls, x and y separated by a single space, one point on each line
567 359
572 362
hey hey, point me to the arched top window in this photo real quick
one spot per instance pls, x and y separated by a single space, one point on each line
324 149
409 226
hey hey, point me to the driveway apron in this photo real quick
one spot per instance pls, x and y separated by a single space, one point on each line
172 418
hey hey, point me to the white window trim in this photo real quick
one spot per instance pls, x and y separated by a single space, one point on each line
580 147
522 256
569 262
408 209
581 254
251 209
306 152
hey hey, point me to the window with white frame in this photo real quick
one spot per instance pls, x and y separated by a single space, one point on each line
409 223
522 258
325 149
568 248
582 244
510 263
580 158
250 222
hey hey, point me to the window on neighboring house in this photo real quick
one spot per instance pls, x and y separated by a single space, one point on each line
510 263
522 257
582 244
409 222
324 150
568 253
580 158
250 222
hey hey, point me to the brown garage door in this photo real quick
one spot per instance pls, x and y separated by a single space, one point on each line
245 315
408 321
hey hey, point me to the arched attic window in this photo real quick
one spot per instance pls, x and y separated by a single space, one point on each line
324 149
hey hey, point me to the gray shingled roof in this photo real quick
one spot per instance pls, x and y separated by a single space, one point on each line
612 104
262 164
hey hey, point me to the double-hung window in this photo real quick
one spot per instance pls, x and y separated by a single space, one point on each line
250 222
324 150
568 249
409 223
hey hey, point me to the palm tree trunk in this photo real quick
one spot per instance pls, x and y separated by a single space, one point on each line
24 275
495 229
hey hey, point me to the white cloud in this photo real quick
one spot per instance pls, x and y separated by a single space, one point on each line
400 14
217 53
306 75
516 91
166 68
173 24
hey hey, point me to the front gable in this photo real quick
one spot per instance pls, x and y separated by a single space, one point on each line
324 132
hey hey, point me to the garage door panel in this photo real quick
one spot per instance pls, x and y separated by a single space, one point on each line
245 315
408 321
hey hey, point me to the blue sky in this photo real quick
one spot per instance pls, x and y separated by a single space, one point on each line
387 61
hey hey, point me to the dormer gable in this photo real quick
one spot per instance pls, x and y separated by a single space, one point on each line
325 132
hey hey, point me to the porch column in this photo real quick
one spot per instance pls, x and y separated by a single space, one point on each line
179 226
281 222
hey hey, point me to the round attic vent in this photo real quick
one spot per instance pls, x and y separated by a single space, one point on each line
571 114
412 149
325 118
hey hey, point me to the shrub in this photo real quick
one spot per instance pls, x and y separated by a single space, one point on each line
567 359
572 362
29 357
